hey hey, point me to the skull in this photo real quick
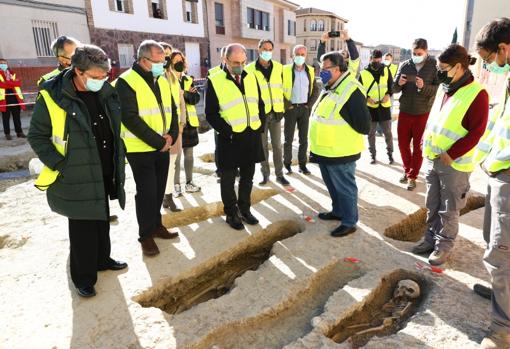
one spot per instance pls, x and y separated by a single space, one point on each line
407 289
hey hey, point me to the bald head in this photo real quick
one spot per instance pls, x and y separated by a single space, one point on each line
235 58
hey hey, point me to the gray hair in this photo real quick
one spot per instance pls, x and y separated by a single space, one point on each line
297 47
145 48
89 56
57 46
234 47
222 51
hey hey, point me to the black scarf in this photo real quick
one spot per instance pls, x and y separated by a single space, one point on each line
454 86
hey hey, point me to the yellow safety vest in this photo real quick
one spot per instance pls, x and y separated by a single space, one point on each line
175 88
157 117
48 76
378 90
190 109
288 82
444 126
497 156
353 66
58 138
271 91
393 69
17 89
238 110
330 135
214 70
485 143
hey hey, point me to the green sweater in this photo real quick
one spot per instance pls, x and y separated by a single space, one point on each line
78 192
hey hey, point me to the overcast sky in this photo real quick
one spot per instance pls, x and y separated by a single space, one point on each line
396 22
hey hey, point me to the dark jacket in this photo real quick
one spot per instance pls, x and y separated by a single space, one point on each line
189 133
234 149
79 191
315 92
355 113
412 101
132 120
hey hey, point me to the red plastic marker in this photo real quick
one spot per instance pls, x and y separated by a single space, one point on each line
421 266
352 260
290 189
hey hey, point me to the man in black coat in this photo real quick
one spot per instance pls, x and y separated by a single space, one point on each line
236 150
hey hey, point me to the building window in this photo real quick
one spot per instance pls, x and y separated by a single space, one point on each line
304 25
218 15
124 6
320 25
189 8
126 55
257 19
120 6
313 25
44 33
291 28
156 7
251 54
313 45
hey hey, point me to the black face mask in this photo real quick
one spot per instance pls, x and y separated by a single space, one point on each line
443 78
376 65
167 62
179 67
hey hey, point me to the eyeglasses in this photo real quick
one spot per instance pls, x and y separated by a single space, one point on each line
103 77
150 60
331 66
68 58
486 58
444 70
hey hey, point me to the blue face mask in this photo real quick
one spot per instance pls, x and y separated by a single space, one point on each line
94 85
495 68
3 66
418 59
299 60
158 69
325 76
266 55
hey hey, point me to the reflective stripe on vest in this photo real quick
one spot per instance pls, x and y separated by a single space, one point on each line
190 109
158 118
288 82
485 144
48 76
271 91
238 110
444 126
330 135
498 157
17 89
378 90
58 123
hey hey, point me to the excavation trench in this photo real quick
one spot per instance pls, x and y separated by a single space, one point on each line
289 319
366 319
216 277
413 227
204 212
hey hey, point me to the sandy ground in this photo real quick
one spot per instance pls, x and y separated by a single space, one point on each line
295 297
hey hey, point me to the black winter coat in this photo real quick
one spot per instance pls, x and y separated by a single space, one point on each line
79 191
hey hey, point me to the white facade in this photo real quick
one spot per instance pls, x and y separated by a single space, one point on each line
140 21
18 19
288 16
250 33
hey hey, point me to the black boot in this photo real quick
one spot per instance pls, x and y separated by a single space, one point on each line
168 202
373 161
390 159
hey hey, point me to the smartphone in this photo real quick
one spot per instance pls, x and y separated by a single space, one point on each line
334 34
411 78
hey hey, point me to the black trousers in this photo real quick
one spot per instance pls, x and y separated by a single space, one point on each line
89 250
6 116
228 195
150 170
300 116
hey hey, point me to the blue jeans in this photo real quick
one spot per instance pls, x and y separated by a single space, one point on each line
341 184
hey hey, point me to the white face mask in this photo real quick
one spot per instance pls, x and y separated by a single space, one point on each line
418 59
387 62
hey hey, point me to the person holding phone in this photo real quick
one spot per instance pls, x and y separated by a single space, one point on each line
417 80
351 55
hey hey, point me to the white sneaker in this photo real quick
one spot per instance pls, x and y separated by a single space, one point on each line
496 340
177 190
191 188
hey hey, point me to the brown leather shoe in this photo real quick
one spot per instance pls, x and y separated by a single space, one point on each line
162 233
149 247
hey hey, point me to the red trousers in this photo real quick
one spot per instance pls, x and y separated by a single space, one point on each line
411 128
